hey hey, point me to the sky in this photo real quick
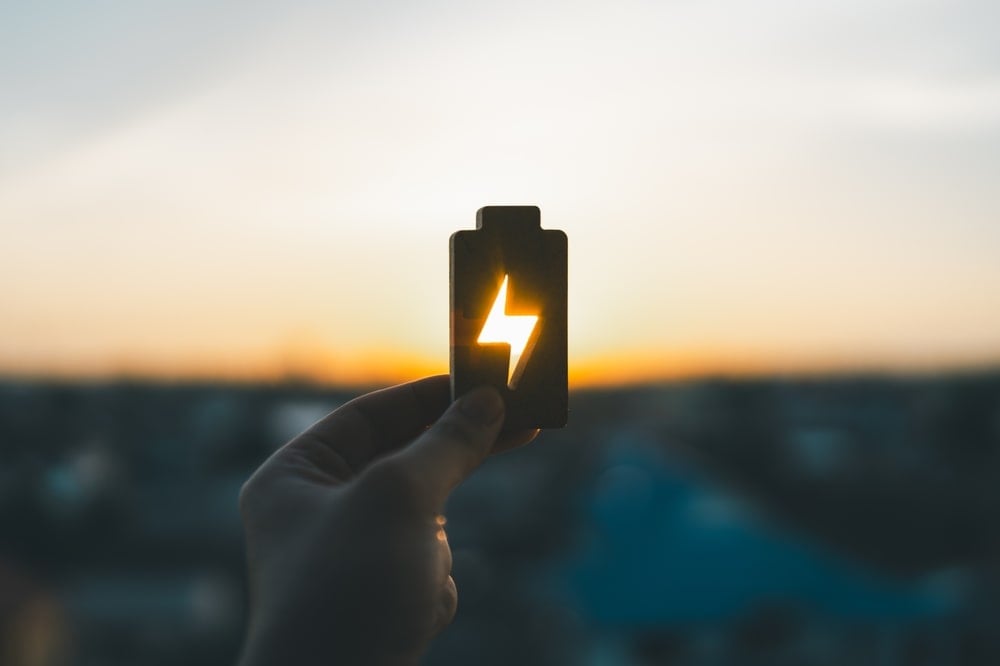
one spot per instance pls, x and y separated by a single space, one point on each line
262 190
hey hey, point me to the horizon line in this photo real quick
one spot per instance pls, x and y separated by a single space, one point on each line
886 372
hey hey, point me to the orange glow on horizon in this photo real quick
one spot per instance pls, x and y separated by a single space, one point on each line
319 366
378 367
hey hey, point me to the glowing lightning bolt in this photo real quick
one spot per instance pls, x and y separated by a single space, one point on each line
514 330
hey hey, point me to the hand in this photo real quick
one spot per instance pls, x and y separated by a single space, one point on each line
348 558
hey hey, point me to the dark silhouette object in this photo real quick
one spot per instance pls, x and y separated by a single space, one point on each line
505 272
348 559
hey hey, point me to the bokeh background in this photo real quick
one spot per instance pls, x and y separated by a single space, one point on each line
221 220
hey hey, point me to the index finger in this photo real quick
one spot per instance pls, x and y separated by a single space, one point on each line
376 423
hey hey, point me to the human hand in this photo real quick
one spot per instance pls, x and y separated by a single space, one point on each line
348 558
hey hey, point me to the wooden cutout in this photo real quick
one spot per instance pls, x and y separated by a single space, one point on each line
509 241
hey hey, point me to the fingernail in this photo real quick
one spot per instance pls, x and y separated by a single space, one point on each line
483 405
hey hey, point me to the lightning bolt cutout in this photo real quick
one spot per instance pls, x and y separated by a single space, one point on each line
514 330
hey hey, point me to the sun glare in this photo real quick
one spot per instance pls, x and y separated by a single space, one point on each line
514 330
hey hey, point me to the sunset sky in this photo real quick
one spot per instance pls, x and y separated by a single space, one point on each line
257 190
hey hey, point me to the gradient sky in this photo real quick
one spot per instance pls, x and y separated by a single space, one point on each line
255 190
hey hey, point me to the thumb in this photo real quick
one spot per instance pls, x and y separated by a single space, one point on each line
447 452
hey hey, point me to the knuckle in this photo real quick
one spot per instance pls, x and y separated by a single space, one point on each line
248 497
256 494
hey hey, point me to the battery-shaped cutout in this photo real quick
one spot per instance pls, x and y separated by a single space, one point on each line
508 314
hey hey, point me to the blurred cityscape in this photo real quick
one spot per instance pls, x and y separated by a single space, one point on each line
784 521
